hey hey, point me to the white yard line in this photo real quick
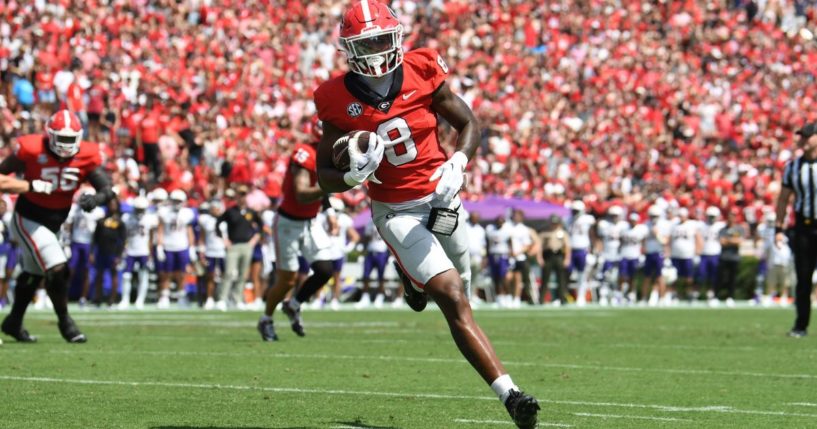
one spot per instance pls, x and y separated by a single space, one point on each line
509 423
658 407
620 416
456 361
801 404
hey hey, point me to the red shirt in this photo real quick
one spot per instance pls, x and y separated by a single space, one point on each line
41 164
151 128
406 120
303 156
74 98
96 99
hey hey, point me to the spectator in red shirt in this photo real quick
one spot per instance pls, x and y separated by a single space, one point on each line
148 132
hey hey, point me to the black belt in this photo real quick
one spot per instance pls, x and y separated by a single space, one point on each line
291 217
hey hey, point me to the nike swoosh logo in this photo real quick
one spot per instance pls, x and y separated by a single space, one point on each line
363 166
407 95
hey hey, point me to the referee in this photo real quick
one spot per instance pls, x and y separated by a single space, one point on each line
800 182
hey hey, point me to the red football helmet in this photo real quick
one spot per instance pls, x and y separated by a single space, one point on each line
372 38
64 134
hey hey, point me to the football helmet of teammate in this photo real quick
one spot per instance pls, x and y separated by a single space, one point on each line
178 199
140 206
64 131
372 39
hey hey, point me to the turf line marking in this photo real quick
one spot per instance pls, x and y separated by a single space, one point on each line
503 422
666 408
231 324
620 416
801 404
452 361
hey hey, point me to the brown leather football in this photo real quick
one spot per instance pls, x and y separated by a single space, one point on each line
340 149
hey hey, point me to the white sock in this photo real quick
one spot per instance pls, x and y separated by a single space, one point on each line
294 304
126 286
143 286
502 386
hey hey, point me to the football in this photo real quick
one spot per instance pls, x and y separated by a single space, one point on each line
340 149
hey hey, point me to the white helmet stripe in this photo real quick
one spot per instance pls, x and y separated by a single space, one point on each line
66 117
367 14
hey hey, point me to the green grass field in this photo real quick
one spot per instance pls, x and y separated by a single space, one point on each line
593 368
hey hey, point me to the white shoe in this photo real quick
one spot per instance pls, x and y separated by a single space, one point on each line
516 303
140 305
316 304
209 304
714 303
378 300
730 302
365 301
164 303
398 302
258 304
124 305
221 306
604 302
334 305
784 301
240 306
653 301
581 301
556 303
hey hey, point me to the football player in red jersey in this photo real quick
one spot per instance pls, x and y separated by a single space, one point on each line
414 197
296 232
60 159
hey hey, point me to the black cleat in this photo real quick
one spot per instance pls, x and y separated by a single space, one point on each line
294 319
267 330
16 331
415 299
797 333
70 332
523 409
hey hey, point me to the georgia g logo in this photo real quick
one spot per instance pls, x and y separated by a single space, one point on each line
354 109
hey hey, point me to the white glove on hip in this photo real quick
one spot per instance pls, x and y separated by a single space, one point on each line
41 187
160 253
451 176
192 253
364 164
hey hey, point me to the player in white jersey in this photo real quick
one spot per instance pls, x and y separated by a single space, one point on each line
764 241
658 234
80 227
581 233
173 245
8 252
211 247
141 235
344 237
685 245
477 249
632 246
268 240
498 235
609 232
377 257
710 231
521 244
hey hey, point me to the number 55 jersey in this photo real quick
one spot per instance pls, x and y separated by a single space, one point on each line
66 176
403 119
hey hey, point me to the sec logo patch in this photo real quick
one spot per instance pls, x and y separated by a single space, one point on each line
354 109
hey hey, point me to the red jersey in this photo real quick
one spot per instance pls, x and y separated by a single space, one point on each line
151 127
303 156
40 163
74 98
403 117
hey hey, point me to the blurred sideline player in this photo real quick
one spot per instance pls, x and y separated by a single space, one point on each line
64 162
80 227
609 232
414 199
377 256
297 232
498 236
211 247
654 288
710 231
174 248
8 253
521 245
632 240
109 243
685 246
344 238
581 242
141 236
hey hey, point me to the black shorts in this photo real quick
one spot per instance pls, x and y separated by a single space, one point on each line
93 118
520 266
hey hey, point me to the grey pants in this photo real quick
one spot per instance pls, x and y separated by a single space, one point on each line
239 257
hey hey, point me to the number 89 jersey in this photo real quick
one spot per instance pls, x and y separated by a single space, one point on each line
403 119
41 164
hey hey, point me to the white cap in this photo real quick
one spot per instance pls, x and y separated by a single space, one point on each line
577 205
159 194
140 203
654 211
178 195
713 211
616 211
683 212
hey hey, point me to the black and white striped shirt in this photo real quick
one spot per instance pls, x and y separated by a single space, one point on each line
800 175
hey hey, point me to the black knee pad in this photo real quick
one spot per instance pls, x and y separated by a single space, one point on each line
322 270
57 277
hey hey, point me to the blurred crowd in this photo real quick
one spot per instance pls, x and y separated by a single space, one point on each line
599 99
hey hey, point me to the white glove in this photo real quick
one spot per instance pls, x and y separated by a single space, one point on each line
451 176
67 251
696 260
41 187
192 253
364 164
160 253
